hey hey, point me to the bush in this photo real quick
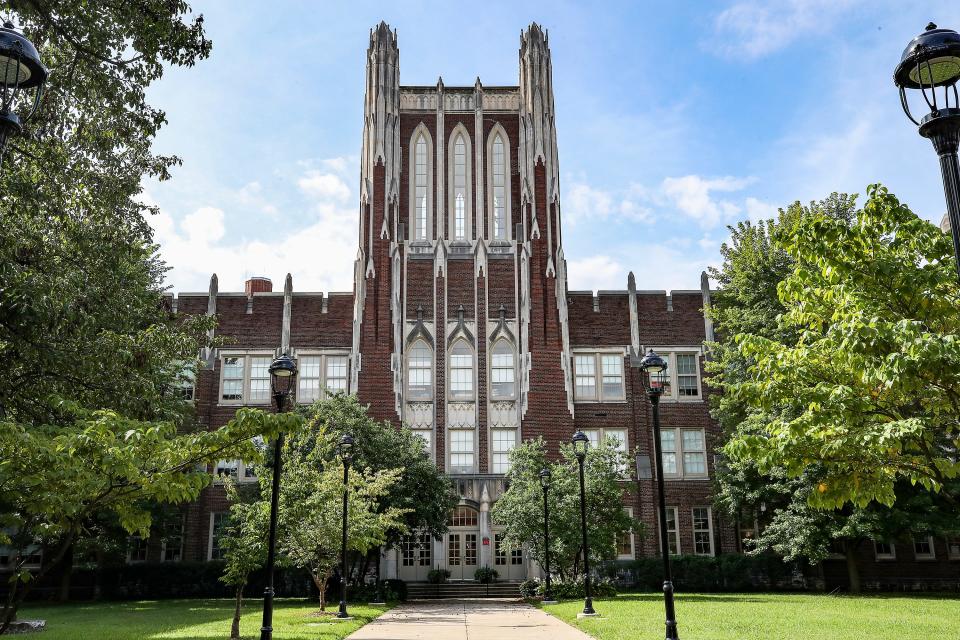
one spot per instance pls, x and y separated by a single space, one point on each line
529 588
393 591
436 576
568 590
485 575
726 572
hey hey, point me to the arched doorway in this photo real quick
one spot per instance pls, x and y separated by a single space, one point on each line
462 543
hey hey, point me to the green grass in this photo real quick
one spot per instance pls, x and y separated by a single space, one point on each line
193 619
771 617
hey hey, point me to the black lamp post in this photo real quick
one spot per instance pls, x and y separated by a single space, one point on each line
345 451
545 484
283 373
932 61
580 445
20 70
656 368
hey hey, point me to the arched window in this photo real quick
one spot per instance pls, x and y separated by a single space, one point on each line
502 382
499 175
420 371
420 189
461 371
459 189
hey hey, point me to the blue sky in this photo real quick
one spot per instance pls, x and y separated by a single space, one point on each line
674 120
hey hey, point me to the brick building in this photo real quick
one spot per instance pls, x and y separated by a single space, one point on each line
461 326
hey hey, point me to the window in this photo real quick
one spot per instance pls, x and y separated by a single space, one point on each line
953 548
681 380
684 453
420 189
461 371
673 532
625 541
884 550
502 371
702 531
426 435
420 371
237 470
415 550
186 383
923 548
245 379
460 193
218 523
610 366
504 440
172 547
499 551
747 525
31 556
136 549
461 448
499 174
319 375
463 517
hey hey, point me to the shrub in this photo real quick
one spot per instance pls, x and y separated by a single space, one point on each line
574 590
485 575
726 572
436 576
393 591
530 588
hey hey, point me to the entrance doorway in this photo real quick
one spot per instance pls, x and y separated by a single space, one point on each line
508 562
462 542
415 558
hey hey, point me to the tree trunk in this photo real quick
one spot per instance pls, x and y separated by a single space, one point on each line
853 572
19 592
235 626
64 595
321 587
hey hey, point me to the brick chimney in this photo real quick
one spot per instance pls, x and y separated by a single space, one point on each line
258 284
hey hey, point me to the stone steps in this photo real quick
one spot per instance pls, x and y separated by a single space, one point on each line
457 590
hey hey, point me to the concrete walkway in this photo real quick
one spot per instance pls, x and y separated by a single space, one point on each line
467 620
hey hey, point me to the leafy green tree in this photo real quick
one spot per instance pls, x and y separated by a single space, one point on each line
520 509
244 543
55 479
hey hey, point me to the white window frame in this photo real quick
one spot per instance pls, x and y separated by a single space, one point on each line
163 544
461 131
325 357
709 530
425 435
892 555
495 451
421 129
472 452
598 355
633 545
513 358
245 472
676 532
507 208
245 389
454 396
186 386
669 353
924 556
431 368
213 515
679 451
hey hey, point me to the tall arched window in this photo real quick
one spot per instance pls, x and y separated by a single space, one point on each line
460 189
461 371
420 371
420 189
502 381
499 188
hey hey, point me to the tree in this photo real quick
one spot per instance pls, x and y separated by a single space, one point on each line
520 509
55 479
244 543
870 389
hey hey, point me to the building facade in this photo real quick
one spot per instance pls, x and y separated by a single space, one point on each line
461 327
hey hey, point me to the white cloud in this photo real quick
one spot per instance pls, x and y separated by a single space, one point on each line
596 272
583 202
691 195
758 210
203 225
664 266
753 28
251 195
324 186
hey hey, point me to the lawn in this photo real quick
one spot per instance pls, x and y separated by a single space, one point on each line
771 617
194 619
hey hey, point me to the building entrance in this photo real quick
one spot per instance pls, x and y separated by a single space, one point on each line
462 543
415 558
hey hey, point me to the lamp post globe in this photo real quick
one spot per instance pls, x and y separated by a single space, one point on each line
656 369
20 72
545 477
930 64
345 451
581 444
283 375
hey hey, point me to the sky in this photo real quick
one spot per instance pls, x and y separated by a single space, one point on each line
674 120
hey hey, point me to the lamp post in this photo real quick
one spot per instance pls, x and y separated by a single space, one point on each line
283 373
20 70
580 445
656 368
931 61
345 451
545 485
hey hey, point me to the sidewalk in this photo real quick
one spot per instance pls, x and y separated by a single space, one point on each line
467 620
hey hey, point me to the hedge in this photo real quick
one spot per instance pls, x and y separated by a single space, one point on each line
726 572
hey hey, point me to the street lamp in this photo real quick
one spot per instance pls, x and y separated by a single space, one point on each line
656 369
932 61
283 373
345 451
20 70
580 446
545 485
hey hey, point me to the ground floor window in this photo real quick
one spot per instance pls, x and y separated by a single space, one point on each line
884 550
218 522
923 548
625 541
953 548
702 531
172 549
673 531
136 548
